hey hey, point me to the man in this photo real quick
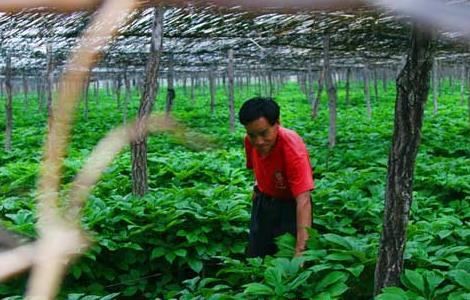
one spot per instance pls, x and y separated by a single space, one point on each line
281 164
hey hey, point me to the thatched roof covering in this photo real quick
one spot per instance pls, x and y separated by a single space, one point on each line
199 37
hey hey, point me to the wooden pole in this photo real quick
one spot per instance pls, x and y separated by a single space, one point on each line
50 79
170 96
127 98
468 98
192 88
139 146
212 88
231 95
384 80
463 73
309 82
435 86
331 90
25 92
8 104
347 87
316 104
376 88
412 93
367 91
85 96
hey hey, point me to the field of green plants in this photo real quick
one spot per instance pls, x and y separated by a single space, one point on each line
186 239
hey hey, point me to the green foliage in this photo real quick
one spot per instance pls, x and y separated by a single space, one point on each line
186 239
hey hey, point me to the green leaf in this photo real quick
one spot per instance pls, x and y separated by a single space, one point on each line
299 280
319 267
170 257
130 290
181 252
356 270
338 240
330 279
462 277
392 293
339 256
195 264
90 297
464 264
444 233
110 296
258 289
192 283
132 246
74 296
433 280
158 252
76 271
337 289
322 296
273 276
111 245
414 281
445 290
460 295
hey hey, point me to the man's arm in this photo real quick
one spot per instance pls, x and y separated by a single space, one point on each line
304 220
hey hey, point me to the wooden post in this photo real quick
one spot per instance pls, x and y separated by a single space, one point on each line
331 90
435 86
451 79
39 93
25 92
384 80
270 82
97 91
185 85
170 95
367 91
265 87
212 88
468 97
108 89
139 146
50 80
85 95
309 82
463 73
231 96
128 96
8 104
260 83
376 89
316 103
347 87
412 93
192 87
117 86
302 79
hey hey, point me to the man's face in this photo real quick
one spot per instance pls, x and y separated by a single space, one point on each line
262 135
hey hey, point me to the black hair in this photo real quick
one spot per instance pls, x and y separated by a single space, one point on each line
258 107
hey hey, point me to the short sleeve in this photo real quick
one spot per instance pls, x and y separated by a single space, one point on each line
298 169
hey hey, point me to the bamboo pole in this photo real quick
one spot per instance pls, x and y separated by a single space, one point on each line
231 96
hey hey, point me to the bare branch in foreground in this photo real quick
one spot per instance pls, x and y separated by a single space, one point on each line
60 240
16 261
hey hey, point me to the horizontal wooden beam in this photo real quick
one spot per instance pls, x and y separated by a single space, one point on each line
282 5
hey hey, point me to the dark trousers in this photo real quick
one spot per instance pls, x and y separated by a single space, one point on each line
270 218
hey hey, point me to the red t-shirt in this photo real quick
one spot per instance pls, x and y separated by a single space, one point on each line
285 172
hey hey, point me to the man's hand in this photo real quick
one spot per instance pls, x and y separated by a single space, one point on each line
304 220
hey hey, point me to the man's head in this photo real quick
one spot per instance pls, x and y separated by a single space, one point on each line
260 116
